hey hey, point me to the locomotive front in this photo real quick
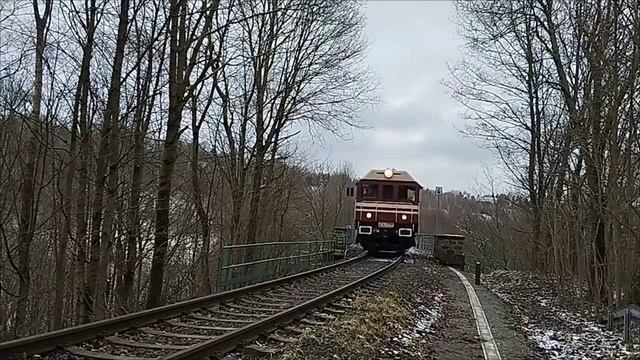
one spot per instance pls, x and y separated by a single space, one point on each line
387 210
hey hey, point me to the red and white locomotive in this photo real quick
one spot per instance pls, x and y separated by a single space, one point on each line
387 210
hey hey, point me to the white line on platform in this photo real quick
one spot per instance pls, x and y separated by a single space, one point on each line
489 346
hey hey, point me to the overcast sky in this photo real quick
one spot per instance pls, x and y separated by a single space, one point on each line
414 129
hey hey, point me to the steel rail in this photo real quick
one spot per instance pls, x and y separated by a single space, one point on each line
53 340
229 341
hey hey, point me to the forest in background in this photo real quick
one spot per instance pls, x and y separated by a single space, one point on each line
138 136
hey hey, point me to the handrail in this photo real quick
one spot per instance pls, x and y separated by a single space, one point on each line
633 309
274 259
275 243
623 319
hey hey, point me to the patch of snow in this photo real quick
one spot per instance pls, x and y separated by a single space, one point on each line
592 342
486 217
414 251
429 312
544 302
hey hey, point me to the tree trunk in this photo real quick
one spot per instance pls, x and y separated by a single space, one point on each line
142 118
65 226
204 286
28 216
83 294
112 115
260 153
79 120
177 60
96 220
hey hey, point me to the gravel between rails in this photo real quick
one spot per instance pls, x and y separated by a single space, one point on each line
394 317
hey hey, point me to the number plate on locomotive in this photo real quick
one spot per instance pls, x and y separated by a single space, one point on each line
388 225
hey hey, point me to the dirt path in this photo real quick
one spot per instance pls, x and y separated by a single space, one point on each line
457 335
510 340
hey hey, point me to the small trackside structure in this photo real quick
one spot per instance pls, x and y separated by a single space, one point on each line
448 249
387 211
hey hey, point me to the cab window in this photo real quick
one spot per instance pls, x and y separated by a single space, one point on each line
387 192
369 190
407 193
411 194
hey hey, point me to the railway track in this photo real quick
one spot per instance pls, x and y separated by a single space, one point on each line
208 326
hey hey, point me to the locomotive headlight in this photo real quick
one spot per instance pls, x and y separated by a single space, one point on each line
404 217
369 215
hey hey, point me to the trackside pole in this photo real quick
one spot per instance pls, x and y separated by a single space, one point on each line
477 272
627 326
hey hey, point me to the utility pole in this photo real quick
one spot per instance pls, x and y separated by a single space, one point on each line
438 195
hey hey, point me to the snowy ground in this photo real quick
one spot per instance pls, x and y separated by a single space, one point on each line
557 331
389 260
354 250
414 251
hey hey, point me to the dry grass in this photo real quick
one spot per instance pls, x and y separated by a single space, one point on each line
361 334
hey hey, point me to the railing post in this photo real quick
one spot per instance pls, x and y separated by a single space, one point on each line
477 272
627 326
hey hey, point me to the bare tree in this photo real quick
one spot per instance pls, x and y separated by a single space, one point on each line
78 129
102 231
185 73
27 214
297 66
147 88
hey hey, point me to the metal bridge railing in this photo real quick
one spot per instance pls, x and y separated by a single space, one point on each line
247 264
343 237
628 321
425 243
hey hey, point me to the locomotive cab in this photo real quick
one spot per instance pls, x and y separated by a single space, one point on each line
387 211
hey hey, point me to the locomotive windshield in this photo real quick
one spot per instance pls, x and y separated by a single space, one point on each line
387 192
369 190
407 193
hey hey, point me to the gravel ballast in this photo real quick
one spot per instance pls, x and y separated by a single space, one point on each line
396 323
